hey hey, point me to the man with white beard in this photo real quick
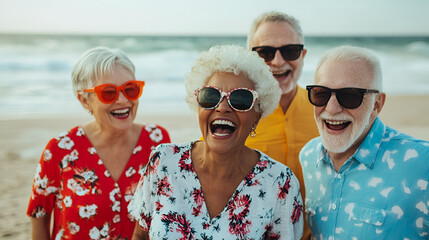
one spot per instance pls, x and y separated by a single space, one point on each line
363 179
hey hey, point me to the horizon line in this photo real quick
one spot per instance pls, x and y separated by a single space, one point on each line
205 35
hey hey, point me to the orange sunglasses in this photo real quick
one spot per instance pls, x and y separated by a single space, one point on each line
108 93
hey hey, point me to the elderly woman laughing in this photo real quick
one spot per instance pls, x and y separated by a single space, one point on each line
218 188
87 176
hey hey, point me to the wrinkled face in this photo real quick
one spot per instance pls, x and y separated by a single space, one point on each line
343 130
118 115
223 128
277 34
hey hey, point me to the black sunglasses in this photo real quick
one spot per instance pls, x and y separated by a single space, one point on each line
350 98
289 52
240 99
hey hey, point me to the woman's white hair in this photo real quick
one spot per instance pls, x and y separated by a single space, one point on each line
97 63
236 60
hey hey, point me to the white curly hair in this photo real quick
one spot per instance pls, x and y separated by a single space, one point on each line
236 60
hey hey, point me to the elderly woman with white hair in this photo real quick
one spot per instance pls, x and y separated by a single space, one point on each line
86 177
218 188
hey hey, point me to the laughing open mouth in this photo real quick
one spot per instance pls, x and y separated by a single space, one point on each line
222 127
120 113
280 75
336 124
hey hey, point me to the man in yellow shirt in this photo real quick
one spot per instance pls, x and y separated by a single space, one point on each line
278 38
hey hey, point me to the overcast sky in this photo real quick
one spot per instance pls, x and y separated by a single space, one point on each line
216 17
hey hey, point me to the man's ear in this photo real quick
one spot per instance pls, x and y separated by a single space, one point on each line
304 52
379 102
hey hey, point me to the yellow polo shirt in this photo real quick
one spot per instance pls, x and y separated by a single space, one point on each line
281 136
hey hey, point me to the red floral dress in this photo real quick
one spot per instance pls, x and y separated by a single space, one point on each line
169 202
72 181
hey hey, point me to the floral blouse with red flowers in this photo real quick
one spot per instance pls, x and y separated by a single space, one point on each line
72 181
169 202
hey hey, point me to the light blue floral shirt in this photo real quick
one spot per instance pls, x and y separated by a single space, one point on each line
381 192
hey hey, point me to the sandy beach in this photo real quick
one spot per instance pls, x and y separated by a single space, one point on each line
22 141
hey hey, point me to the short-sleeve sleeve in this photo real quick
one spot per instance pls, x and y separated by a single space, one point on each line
46 182
287 219
142 204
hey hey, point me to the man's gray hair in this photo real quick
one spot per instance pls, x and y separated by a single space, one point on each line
95 64
273 16
360 54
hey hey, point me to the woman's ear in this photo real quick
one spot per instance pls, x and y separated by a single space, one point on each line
84 101
258 118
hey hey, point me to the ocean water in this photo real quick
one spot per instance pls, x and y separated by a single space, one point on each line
35 71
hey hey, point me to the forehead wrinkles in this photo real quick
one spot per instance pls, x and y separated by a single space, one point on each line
226 81
346 73
275 34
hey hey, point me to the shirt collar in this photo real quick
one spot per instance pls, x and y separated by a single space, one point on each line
367 150
323 155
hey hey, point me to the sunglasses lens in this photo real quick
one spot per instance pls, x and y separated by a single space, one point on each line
108 94
241 99
350 98
319 96
347 97
132 91
267 53
291 52
208 97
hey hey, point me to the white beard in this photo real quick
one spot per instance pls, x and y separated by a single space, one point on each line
287 88
341 143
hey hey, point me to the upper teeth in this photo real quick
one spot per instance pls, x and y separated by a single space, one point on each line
121 111
335 122
223 122
221 134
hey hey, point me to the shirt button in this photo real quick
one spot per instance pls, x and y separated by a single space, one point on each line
334 206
